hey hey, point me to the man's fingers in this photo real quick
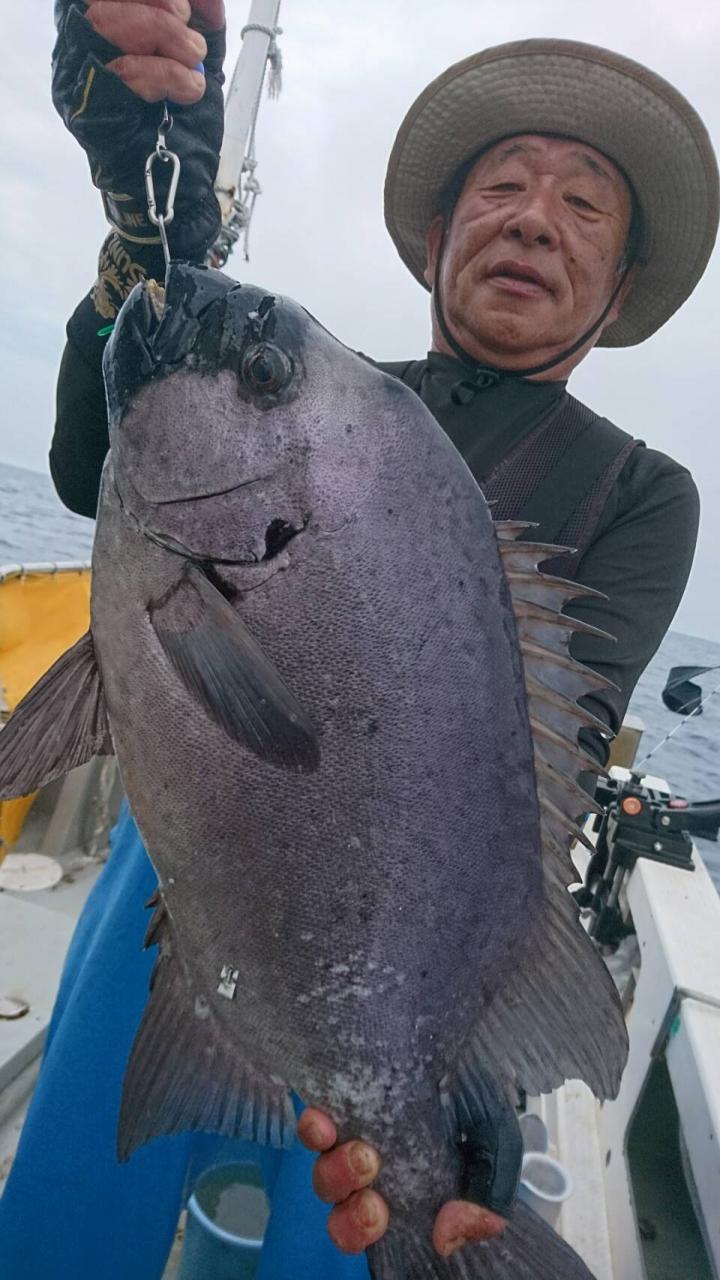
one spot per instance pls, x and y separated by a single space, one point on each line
316 1130
342 1174
181 9
156 78
348 1168
147 31
358 1222
459 1222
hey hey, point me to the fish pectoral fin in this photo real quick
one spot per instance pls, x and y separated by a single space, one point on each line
222 665
60 724
184 1072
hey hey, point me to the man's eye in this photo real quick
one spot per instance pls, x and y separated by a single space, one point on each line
506 186
579 203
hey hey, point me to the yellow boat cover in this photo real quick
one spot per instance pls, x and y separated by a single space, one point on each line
42 613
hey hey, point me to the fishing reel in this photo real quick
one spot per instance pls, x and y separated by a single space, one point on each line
639 820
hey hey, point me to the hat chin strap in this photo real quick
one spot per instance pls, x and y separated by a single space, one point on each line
484 375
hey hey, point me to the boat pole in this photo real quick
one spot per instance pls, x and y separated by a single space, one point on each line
241 110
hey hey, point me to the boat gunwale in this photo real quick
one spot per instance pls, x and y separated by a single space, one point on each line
8 571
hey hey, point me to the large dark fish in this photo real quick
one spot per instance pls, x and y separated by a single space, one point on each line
347 724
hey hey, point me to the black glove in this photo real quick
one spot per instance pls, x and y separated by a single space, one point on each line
492 1149
118 131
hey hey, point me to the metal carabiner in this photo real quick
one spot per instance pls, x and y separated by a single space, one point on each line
165 156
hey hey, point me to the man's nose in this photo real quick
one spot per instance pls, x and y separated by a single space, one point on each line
534 222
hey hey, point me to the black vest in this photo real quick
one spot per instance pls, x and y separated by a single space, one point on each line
558 477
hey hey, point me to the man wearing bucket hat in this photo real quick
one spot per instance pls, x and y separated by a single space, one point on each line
552 196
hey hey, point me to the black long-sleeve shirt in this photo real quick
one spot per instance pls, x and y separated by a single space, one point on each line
640 555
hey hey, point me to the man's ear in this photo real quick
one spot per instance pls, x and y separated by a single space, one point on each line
617 305
433 237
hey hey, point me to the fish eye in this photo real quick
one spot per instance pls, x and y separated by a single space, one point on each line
265 369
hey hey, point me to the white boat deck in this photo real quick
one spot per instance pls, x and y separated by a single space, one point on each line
673 1023
35 932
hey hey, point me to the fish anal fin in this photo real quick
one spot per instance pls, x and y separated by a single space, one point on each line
60 724
183 1072
225 669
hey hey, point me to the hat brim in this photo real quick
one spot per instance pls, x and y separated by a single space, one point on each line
572 90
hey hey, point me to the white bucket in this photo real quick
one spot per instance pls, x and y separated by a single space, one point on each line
545 1185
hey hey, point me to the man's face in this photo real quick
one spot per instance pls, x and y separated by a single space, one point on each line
532 252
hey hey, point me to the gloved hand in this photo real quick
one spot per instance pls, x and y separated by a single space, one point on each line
492 1151
106 55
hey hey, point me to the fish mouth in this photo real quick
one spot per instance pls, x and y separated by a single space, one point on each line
278 534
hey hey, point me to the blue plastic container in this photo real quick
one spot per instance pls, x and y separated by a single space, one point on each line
226 1219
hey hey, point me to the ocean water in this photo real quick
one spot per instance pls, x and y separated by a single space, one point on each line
34 526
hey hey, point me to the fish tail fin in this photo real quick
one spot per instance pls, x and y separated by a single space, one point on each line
528 1249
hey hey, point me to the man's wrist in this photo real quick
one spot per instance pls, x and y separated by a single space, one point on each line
121 266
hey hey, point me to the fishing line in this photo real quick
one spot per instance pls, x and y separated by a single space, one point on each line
672 732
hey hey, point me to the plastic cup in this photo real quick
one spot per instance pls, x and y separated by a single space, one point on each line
545 1185
226 1219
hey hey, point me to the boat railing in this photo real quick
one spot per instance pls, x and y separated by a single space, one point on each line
8 571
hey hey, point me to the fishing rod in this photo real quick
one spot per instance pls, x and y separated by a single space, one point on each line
236 186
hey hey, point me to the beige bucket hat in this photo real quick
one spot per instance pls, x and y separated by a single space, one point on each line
580 91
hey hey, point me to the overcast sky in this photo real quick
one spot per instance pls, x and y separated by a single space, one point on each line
351 71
